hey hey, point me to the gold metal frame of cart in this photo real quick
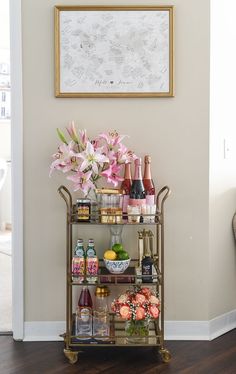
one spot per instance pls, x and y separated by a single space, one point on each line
58 9
157 340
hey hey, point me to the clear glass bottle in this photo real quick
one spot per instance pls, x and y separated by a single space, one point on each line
101 320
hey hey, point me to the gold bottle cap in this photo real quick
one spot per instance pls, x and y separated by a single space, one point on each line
102 291
147 159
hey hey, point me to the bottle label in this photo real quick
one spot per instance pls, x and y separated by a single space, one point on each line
92 266
147 269
79 252
135 202
150 199
90 252
125 203
85 313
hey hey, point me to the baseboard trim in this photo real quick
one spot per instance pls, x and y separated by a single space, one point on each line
174 330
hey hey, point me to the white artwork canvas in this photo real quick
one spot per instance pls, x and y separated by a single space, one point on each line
114 52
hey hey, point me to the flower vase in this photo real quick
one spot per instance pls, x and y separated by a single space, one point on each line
137 331
92 196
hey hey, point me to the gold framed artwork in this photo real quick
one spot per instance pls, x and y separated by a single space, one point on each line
115 51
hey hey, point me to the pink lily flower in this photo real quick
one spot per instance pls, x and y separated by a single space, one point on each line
82 181
112 138
111 174
64 159
91 158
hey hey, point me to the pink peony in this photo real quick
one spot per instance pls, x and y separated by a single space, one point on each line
139 298
140 313
146 292
154 300
125 312
154 311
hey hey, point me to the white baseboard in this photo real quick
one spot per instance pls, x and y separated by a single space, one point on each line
174 330
44 331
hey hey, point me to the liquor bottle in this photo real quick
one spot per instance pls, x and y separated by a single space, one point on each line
78 262
85 300
148 182
147 262
125 187
137 191
91 263
84 314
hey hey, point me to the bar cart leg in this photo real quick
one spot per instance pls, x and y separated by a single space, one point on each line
165 355
71 355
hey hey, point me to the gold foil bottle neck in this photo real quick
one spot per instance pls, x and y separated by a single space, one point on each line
102 291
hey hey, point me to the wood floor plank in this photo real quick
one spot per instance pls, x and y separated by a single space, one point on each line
188 357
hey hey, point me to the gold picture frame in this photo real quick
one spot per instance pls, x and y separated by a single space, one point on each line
101 52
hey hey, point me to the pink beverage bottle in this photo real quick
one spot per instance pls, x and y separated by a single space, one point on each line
126 187
148 182
137 191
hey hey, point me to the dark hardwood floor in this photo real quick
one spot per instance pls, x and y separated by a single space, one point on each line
188 357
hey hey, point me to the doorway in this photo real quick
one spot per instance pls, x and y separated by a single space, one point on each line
5 173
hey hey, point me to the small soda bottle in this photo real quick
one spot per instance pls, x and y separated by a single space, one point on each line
78 262
91 263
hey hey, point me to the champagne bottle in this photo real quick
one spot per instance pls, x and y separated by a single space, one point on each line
125 187
137 191
148 182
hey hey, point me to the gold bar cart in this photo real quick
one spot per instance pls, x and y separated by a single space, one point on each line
117 332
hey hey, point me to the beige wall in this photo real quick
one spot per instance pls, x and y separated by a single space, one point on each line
174 131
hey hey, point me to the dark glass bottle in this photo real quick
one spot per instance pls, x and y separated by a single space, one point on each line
147 262
126 187
137 191
85 300
148 182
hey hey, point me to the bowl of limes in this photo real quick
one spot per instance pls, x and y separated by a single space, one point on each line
116 259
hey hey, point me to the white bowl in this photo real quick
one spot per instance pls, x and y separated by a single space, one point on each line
116 266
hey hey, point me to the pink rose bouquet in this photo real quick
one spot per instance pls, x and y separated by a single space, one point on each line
138 304
87 160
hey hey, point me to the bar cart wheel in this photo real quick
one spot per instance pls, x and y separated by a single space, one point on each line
71 355
165 355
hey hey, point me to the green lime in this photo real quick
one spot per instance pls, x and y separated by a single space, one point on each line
117 247
123 255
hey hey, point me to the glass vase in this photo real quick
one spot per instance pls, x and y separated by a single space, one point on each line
115 234
137 331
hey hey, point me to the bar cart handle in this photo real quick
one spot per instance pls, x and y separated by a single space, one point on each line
165 191
66 195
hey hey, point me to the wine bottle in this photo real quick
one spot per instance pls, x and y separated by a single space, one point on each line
148 182
147 262
125 187
137 191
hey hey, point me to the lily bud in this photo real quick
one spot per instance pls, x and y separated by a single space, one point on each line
61 136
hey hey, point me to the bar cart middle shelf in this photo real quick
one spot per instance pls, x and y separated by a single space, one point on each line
117 336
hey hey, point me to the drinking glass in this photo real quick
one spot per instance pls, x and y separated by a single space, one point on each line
101 325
